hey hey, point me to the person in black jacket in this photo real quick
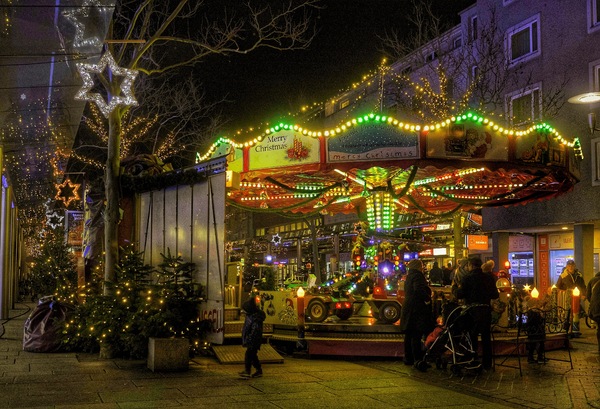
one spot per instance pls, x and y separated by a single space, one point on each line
252 334
593 296
479 288
416 320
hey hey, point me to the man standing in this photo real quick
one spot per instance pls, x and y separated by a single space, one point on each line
478 289
568 280
436 275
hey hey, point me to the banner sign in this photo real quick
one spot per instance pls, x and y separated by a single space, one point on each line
284 148
467 140
373 142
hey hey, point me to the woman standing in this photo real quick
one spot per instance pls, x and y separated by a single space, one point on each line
416 319
252 334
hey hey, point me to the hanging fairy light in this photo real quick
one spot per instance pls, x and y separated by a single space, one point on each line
126 98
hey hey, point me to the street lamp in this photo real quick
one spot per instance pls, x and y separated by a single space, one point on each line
588 98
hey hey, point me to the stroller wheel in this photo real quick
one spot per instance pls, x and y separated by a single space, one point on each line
422 366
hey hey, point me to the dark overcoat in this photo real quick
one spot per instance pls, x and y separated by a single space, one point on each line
417 313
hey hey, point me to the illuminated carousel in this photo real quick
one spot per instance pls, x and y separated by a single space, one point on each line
388 170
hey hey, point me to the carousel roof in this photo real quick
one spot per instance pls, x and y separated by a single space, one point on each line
382 167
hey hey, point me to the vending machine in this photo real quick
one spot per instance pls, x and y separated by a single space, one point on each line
521 268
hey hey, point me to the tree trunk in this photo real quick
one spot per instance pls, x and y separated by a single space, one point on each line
111 212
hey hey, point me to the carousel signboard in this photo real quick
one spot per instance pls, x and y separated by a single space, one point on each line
467 140
234 156
284 148
373 142
541 148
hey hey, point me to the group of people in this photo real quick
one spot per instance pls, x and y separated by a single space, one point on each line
472 284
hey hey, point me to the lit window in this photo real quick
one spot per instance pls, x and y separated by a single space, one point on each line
524 41
344 104
524 106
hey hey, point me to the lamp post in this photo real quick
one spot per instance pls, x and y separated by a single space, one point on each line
575 305
300 305
588 98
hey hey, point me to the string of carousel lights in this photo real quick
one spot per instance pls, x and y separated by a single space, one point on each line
391 121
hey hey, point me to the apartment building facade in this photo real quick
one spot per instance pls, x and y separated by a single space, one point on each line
521 61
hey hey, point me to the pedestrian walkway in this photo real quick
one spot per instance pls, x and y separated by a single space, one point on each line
77 381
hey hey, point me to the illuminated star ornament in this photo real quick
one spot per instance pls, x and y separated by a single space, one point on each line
54 220
78 16
126 98
67 192
276 239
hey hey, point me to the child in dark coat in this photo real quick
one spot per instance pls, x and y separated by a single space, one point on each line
252 334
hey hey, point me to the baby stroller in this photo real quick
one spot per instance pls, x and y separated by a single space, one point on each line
451 343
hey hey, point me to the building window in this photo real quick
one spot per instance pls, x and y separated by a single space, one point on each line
524 40
456 43
593 15
344 104
473 29
524 107
474 72
430 57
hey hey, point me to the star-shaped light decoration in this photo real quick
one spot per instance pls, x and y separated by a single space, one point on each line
78 16
126 98
54 220
276 239
527 287
67 192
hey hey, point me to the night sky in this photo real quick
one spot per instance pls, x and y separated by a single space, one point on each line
265 85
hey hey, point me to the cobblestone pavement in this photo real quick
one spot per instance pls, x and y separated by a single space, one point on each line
77 381
550 385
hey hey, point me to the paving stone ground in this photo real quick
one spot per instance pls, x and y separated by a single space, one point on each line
77 381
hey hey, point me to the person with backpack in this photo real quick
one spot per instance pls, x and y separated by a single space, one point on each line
593 296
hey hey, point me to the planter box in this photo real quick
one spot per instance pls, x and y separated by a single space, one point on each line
168 354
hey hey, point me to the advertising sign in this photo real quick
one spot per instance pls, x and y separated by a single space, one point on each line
74 228
477 242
